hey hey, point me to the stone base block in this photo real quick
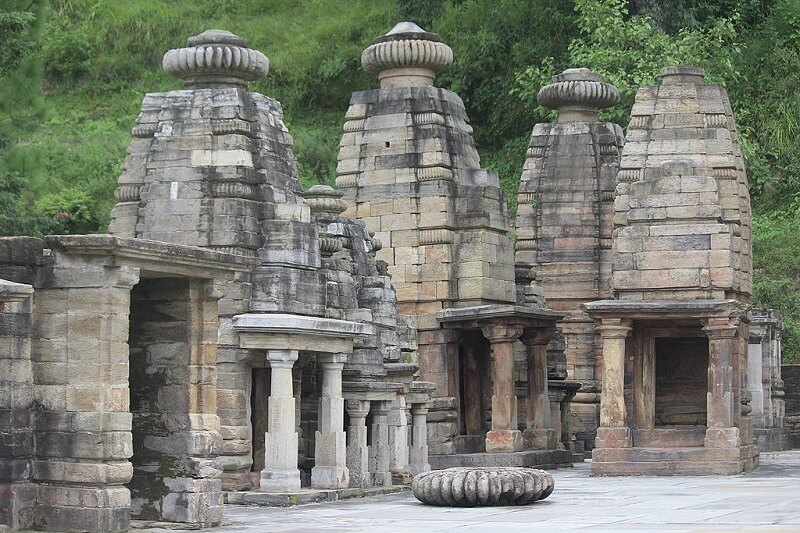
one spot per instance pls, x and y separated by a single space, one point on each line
613 438
89 509
529 458
287 499
17 501
280 480
722 438
773 439
539 439
503 440
674 461
330 477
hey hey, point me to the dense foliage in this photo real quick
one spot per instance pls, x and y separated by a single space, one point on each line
61 147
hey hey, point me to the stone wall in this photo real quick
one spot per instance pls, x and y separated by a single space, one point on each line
791 380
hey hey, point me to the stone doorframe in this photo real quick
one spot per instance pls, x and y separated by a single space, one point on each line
284 336
503 325
85 425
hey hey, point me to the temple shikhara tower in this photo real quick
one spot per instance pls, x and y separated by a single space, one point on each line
675 335
409 168
565 220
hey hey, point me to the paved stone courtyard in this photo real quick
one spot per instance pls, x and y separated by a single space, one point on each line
765 500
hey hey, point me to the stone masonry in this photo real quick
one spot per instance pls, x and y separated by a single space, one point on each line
565 220
675 336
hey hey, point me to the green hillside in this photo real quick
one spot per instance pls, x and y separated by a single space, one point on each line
73 74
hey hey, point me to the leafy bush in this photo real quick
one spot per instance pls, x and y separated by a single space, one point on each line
72 211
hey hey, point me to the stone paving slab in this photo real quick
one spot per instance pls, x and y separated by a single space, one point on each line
767 500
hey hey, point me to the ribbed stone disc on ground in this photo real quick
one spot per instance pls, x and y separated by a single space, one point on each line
476 487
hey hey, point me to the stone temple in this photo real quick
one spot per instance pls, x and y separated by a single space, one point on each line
233 338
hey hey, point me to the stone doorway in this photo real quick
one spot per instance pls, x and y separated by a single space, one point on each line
681 381
172 390
475 394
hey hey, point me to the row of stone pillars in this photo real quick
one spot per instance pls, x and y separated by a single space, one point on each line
722 417
505 435
340 460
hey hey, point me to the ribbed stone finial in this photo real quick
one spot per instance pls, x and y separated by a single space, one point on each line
325 200
215 58
407 56
682 74
578 94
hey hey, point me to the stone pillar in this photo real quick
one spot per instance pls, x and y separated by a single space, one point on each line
418 454
83 430
539 428
280 472
398 436
721 418
330 454
379 449
613 432
357 450
17 492
504 435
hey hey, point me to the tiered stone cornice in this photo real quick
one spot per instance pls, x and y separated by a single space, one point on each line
215 58
407 56
325 200
578 94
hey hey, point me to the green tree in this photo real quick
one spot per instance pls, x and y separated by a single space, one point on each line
21 109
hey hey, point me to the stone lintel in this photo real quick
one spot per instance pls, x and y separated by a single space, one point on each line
298 332
485 315
154 258
14 292
402 371
371 390
661 309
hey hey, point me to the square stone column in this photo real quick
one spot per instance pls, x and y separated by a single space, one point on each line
330 454
418 453
539 431
721 417
504 435
280 472
379 453
398 435
613 431
357 450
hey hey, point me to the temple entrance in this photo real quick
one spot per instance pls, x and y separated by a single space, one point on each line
681 381
159 340
475 394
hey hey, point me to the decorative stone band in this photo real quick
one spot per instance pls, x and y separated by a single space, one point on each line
606 196
128 192
629 175
234 125
347 180
605 243
236 250
354 125
728 173
639 122
474 486
422 119
526 198
407 53
525 244
436 236
144 130
329 245
536 151
716 121
234 189
433 173
609 149
215 57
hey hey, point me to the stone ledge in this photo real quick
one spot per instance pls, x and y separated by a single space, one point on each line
267 499
545 459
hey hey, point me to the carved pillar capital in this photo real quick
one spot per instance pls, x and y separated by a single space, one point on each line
721 328
499 333
537 336
614 328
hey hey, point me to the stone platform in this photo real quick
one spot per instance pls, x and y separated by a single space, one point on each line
287 499
685 461
531 458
